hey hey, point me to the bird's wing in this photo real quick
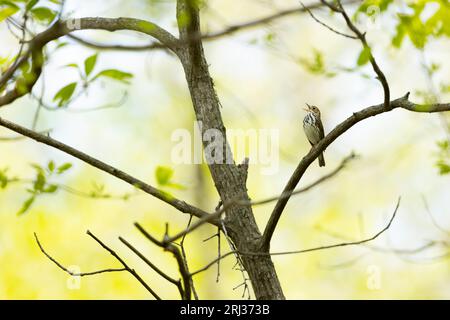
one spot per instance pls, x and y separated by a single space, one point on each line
321 131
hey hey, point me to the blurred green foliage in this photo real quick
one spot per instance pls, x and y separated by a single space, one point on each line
443 162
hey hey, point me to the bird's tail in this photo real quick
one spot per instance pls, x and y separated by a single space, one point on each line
321 160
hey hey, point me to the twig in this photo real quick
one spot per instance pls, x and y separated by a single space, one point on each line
183 252
205 219
209 238
265 20
131 271
213 262
22 137
345 264
341 166
421 248
239 261
433 219
342 244
218 254
66 106
76 192
325 25
112 252
101 46
176 253
75 274
362 37
177 283
61 9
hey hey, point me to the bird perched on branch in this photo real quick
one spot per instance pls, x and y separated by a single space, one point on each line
312 125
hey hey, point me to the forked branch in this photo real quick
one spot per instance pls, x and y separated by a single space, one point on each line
112 252
400 103
168 246
326 247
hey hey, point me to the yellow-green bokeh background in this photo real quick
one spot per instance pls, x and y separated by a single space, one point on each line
260 86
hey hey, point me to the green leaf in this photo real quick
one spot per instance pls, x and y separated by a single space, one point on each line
115 74
418 28
364 56
89 64
270 37
63 168
316 65
438 23
51 166
43 14
366 5
443 167
445 88
39 183
51 188
163 175
3 178
61 44
26 205
7 9
444 145
443 161
64 94
397 40
71 65
31 4
38 168
177 186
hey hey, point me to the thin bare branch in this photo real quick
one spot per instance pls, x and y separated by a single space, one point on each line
325 25
79 193
183 253
112 252
177 283
178 256
343 244
339 8
76 274
265 20
337 245
324 178
427 245
206 219
174 202
433 219
118 47
213 262
131 271
21 137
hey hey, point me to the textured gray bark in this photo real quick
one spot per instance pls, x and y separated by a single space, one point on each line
229 178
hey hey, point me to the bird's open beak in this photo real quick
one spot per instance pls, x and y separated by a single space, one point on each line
309 107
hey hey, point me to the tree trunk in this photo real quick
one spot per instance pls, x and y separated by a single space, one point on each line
229 178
